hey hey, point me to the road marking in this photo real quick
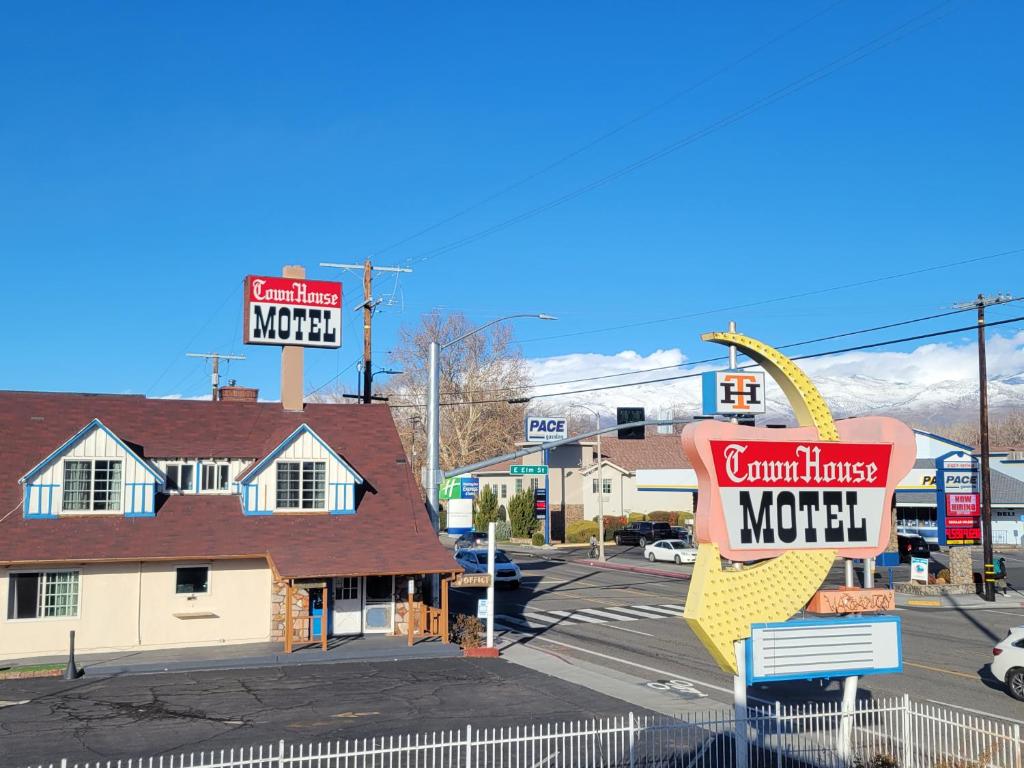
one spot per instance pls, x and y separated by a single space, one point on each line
545 620
975 711
940 669
926 603
605 614
12 703
576 615
673 612
1008 613
671 675
627 629
638 612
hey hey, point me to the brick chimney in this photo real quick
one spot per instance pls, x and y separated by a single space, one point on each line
233 393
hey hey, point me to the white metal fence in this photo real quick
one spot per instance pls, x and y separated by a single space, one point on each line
887 733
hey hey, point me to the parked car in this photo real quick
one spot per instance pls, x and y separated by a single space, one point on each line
471 540
672 550
912 546
643 533
505 571
683 533
1008 662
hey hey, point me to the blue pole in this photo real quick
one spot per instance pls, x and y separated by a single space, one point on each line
547 501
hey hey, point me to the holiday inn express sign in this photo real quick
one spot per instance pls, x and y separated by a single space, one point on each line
286 311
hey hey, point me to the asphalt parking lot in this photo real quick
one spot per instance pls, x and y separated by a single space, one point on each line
141 715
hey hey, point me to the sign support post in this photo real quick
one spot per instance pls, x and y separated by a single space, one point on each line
849 687
490 586
547 502
739 700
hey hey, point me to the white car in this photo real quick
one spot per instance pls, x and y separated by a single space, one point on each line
1008 662
505 571
670 550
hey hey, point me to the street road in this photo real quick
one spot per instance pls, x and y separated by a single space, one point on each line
631 622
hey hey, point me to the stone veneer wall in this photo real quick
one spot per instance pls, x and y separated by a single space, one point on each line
401 598
300 608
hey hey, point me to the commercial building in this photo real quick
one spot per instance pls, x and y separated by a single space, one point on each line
145 523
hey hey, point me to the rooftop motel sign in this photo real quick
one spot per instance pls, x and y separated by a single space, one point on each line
286 311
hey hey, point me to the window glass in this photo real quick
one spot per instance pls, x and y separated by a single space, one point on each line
222 477
77 485
288 484
314 475
192 580
187 482
504 491
379 588
107 485
172 477
607 485
51 594
215 477
519 484
346 588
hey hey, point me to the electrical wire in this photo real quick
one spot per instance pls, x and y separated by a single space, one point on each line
637 118
335 377
859 347
795 86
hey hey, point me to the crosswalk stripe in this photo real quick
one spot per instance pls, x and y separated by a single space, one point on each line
578 616
544 619
639 611
677 611
501 618
605 614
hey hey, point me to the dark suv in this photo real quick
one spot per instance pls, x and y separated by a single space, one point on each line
643 533
912 546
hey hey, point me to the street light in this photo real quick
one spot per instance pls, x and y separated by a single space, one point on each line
359 381
434 411
600 482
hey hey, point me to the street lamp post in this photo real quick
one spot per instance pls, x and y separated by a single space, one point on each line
434 411
600 484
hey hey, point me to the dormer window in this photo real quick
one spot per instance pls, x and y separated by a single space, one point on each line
92 486
215 477
301 484
181 477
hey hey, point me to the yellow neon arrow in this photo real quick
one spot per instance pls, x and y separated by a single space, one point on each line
721 605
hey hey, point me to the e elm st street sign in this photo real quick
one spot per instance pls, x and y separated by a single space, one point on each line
528 469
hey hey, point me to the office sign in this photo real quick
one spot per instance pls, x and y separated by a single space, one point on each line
543 429
732 393
528 469
464 580
288 311
766 491
805 650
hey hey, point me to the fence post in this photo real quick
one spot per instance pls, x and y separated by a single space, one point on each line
908 729
280 754
63 762
778 735
469 746
1016 746
632 741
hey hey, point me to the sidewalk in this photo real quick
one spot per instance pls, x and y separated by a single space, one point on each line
1012 600
339 649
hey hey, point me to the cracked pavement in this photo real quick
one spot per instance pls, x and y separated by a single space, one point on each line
142 715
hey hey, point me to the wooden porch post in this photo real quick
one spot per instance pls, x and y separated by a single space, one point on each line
323 621
444 608
408 613
289 596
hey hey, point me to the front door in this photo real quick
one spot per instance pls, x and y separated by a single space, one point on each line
348 606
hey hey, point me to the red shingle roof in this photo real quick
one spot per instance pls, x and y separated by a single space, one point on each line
653 452
390 532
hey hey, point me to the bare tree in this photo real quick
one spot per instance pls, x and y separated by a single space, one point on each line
479 375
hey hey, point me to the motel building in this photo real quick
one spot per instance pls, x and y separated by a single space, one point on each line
144 524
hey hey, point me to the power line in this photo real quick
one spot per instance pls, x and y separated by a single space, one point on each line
876 44
859 347
639 117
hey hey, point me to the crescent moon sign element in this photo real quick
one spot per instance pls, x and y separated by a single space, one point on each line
720 604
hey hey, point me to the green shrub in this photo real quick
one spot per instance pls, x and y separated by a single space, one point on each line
521 514
485 510
580 531
538 539
661 517
502 531
636 517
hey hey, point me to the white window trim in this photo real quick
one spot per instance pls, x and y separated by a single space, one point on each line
92 488
194 595
78 604
300 509
204 463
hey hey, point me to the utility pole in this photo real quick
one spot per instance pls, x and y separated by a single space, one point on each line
368 306
216 357
986 484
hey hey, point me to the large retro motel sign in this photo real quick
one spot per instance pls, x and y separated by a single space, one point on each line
290 311
792 498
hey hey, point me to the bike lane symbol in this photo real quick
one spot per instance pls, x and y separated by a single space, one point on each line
683 688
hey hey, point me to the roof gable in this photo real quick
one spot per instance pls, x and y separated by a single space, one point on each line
78 437
302 429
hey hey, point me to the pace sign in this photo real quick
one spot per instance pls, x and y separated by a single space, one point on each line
543 429
288 311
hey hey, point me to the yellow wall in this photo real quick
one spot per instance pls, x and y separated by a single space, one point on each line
112 616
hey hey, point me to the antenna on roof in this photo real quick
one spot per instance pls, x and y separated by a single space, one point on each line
216 357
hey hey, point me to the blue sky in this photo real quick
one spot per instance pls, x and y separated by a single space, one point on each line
151 155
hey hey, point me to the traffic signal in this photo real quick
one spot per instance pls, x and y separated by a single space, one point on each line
627 415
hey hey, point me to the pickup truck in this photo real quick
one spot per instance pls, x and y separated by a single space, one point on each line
643 533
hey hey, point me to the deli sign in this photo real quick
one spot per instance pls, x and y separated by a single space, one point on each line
763 492
287 311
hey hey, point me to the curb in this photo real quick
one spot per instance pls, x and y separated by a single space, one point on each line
631 569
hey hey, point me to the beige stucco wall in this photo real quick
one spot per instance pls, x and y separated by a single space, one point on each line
132 605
